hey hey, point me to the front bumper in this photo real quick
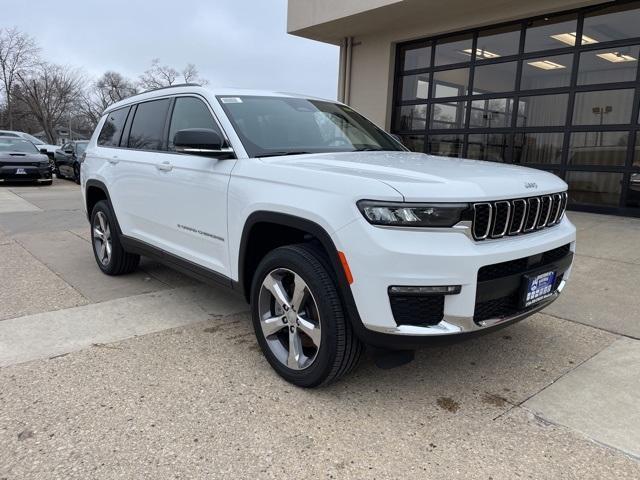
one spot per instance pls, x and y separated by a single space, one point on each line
384 257
32 173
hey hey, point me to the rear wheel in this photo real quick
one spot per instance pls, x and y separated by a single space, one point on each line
76 173
107 249
298 317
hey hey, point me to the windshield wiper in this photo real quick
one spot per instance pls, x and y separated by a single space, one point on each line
282 154
368 149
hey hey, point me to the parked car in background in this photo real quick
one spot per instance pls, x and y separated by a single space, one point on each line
43 147
20 160
67 160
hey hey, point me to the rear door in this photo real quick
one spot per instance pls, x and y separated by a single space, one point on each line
193 219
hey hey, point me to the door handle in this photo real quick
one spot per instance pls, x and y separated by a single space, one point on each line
113 160
164 167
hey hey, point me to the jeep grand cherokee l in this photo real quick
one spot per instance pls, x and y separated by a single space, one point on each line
336 234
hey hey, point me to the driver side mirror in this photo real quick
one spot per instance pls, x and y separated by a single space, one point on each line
44 151
68 152
199 141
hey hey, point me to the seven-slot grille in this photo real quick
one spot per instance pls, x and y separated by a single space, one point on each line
514 217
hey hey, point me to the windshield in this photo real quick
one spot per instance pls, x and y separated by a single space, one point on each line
81 147
269 126
32 139
17 145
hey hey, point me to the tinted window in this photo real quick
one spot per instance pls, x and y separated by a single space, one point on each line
7 134
147 129
614 23
454 50
550 33
415 58
112 128
498 77
498 42
189 112
17 145
546 72
603 108
609 65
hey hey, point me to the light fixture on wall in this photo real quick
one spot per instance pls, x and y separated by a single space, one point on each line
480 53
546 65
616 57
570 39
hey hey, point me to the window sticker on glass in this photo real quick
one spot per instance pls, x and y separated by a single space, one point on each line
231 100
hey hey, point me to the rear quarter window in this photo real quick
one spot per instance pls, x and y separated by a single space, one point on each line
112 128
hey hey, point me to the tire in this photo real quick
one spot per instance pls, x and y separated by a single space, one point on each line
118 261
336 349
47 184
76 173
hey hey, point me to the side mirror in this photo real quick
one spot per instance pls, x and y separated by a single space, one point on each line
44 151
201 141
68 152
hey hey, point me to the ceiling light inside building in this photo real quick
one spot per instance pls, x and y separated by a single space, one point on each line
546 65
480 53
570 39
616 57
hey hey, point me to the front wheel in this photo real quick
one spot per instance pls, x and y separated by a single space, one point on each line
299 319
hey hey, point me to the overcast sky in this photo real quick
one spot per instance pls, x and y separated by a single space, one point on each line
234 43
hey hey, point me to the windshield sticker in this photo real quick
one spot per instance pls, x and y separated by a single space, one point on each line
231 100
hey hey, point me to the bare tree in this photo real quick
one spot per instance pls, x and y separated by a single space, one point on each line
50 92
164 76
110 88
18 53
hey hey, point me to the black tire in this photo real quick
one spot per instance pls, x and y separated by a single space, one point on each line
120 261
340 349
47 183
76 173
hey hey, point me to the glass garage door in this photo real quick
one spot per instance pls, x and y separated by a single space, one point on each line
559 93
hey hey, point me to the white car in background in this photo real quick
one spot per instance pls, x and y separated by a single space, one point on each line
336 234
40 145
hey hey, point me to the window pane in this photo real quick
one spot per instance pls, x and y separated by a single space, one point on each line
415 143
598 148
445 145
112 128
147 129
555 32
412 117
494 78
448 115
608 65
489 146
495 112
189 112
415 87
451 83
539 148
453 50
543 110
636 161
594 188
415 58
546 72
633 191
603 108
498 42
613 23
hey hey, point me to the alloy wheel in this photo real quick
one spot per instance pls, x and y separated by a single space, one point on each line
289 319
102 238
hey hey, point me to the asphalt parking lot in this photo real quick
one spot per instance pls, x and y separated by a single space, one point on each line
153 375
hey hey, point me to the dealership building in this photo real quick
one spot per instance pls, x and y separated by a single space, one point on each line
550 84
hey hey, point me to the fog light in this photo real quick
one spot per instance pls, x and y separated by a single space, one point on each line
441 290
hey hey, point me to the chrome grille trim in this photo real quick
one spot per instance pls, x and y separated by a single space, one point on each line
523 215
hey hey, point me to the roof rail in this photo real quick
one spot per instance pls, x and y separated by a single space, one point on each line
172 86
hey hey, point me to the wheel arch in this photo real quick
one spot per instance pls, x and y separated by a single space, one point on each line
95 191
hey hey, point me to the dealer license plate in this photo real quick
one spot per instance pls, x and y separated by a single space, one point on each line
21 171
538 287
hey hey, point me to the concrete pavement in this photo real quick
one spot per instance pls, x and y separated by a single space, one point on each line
155 376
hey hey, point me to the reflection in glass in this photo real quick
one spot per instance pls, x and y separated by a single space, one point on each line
415 58
594 188
498 77
598 148
546 72
543 110
448 115
451 83
551 33
492 113
603 108
415 143
415 87
608 65
488 146
636 158
412 117
445 145
633 190
613 23
498 42
453 50
538 148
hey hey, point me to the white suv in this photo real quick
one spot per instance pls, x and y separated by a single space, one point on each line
336 234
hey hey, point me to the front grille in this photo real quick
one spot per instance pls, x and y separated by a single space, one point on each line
522 265
419 310
515 217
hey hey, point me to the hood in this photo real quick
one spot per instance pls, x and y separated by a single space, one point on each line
419 177
16 158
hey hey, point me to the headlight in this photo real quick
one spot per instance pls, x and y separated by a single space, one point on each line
412 214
